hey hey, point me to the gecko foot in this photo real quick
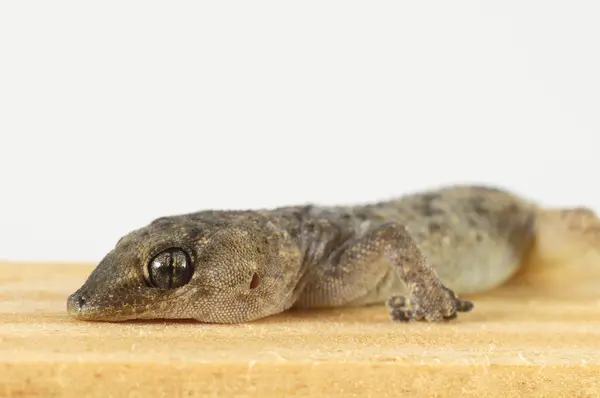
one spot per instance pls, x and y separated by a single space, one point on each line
434 308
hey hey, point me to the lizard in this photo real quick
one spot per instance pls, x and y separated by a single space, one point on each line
416 254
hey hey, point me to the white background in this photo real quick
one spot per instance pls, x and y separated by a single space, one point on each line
113 113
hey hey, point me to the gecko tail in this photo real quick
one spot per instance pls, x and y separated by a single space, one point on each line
567 234
566 248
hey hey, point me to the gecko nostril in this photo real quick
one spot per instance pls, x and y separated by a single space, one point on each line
80 302
75 303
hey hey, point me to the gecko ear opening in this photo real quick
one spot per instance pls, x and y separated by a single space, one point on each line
255 281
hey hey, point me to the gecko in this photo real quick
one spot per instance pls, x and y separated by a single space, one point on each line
416 254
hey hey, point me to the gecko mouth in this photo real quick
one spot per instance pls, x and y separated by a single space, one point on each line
79 308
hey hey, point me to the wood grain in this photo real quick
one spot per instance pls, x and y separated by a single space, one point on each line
537 336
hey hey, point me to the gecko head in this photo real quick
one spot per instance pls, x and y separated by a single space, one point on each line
213 270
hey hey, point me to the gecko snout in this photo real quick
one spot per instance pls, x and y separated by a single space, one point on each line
80 307
75 304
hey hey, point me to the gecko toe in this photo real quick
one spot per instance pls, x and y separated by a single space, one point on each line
464 306
398 309
396 302
400 315
451 317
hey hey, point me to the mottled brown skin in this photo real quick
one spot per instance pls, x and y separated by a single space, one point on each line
415 253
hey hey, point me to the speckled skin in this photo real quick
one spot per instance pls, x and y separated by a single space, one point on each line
415 253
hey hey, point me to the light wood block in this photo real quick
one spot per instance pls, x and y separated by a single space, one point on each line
537 336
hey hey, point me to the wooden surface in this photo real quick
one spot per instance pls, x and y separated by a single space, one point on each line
537 336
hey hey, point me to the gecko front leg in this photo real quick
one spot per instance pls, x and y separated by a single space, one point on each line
428 299
356 268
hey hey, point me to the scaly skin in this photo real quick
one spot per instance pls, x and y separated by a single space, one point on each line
415 253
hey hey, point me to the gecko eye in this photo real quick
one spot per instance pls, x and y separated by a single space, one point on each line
170 269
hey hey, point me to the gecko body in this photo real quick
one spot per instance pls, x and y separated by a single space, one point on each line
415 253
